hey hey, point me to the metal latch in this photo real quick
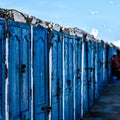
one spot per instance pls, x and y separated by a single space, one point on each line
69 82
23 68
46 108
78 71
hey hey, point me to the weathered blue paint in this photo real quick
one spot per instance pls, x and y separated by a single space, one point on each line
2 69
94 70
90 69
57 81
19 71
100 67
108 63
85 79
91 73
40 73
78 49
105 80
68 48
65 98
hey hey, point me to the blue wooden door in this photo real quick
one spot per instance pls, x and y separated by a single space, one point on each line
2 69
94 70
68 46
56 75
99 68
91 72
90 77
19 77
108 62
102 64
40 74
78 56
85 79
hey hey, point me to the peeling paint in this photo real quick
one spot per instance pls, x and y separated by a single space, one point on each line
18 17
56 27
71 31
79 32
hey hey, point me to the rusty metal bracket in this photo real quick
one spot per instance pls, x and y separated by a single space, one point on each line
46 108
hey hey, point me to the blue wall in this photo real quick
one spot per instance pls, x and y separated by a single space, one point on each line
50 74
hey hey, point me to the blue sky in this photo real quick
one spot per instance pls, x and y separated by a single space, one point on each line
103 15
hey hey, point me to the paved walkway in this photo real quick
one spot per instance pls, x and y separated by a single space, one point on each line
107 107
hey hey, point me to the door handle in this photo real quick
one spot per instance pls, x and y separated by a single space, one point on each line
46 108
23 68
69 82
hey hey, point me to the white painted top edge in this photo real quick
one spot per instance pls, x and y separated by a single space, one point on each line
90 37
18 17
56 27
79 32
71 31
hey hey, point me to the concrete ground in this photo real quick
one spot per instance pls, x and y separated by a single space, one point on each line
107 107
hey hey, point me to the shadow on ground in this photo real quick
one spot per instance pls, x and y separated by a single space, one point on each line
107 107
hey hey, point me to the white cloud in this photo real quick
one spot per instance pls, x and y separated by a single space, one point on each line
111 2
94 32
94 12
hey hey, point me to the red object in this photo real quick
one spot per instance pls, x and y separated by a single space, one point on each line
115 62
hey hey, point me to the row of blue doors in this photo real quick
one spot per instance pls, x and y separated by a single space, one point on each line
66 76
26 72
46 72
